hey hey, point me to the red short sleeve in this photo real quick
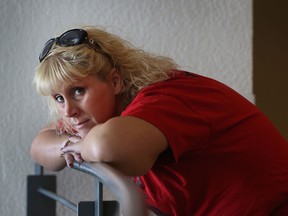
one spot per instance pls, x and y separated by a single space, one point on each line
174 118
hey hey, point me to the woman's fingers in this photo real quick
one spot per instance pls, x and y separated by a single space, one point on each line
71 151
74 139
69 159
72 147
78 158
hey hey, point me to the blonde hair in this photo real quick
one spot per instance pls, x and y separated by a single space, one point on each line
137 68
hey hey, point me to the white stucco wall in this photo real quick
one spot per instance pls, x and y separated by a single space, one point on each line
210 37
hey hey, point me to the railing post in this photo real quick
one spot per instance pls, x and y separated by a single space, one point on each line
38 170
131 202
98 198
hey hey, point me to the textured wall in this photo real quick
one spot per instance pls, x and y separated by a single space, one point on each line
210 37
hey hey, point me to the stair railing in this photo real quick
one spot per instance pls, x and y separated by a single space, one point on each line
42 196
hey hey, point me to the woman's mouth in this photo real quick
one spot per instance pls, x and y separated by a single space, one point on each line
81 124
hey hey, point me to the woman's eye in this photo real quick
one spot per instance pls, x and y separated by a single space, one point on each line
59 99
78 91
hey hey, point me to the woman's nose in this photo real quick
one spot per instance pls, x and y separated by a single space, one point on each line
70 109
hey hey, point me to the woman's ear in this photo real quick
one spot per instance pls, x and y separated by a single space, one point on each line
117 81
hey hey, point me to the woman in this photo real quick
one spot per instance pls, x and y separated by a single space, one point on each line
193 145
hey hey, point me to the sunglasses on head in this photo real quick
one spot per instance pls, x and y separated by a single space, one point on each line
69 38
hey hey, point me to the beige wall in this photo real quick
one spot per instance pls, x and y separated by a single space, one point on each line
271 60
210 37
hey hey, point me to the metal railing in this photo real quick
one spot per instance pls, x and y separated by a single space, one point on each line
42 196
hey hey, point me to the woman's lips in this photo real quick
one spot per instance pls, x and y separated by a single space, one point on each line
81 124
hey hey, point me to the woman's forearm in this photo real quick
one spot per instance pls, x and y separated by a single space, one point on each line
129 144
46 149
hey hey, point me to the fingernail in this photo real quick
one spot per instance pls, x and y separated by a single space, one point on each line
71 164
67 143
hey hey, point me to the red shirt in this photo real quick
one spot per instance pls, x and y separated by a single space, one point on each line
225 156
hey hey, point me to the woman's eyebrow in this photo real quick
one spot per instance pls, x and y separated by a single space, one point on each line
76 83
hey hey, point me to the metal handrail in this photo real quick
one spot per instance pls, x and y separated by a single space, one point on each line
58 198
126 193
124 190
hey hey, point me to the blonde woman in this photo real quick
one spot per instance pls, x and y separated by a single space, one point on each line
193 145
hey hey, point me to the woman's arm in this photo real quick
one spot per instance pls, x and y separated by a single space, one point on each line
129 144
46 148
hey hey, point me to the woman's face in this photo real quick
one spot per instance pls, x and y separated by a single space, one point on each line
89 101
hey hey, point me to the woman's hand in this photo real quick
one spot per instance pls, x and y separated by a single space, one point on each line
71 150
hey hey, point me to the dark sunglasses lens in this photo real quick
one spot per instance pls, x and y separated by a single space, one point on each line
47 47
72 37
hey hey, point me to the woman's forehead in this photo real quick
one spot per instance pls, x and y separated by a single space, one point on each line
62 85
54 84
